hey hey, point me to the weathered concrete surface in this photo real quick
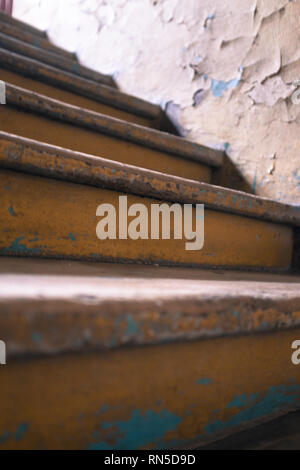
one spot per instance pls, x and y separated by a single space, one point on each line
228 69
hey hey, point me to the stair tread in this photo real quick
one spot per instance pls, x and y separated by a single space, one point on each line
15 22
151 138
31 59
32 38
30 156
75 306
77 84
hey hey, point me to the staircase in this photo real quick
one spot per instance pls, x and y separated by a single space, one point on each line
122 343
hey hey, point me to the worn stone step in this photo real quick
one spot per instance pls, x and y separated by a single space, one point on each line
78 91
38 117
16 55
50 198
139 357
32 38
21 25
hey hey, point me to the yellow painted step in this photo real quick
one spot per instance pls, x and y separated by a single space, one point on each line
37 117
74 89
65 325
49 209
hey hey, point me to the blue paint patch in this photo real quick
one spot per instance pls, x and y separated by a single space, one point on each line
7 188
297 177
18 247
204 381
132 328
75 67
239 401
36 42
140 430
277 398
219 87
72 237
236 314
5 437
226 146
104 409
36 337
22 429
11 211
254 182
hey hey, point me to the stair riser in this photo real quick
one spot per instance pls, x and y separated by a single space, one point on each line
80 139
72 98
49 218
32 39
147 397
53 59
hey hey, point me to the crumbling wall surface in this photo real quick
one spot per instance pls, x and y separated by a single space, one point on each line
225 69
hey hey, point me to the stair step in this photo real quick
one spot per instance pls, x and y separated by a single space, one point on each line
78 91
41 118
50 196
21 25
16 55
32 38
216 355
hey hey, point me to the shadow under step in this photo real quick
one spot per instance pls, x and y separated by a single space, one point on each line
139 357
78 91
38 117
49 207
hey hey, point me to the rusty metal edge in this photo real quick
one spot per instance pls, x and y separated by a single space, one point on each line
26 155
48 107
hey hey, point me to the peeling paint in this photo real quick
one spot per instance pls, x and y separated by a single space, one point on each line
256 406
142 429
219 87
